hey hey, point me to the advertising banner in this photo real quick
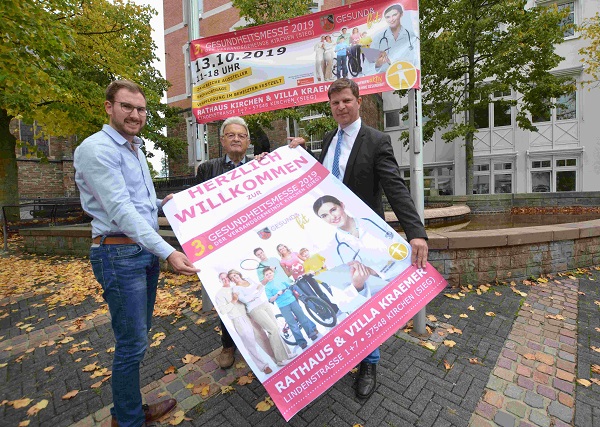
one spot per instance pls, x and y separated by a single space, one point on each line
292 62
307 279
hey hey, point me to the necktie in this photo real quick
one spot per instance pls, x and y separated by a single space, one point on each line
335 169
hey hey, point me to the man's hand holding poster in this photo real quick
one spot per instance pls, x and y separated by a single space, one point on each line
307 279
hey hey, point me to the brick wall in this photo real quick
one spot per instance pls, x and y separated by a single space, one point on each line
52 179
486 265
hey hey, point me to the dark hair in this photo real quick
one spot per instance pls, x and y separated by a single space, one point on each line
397 7
322 200
341 84
257 249
117 85
268 269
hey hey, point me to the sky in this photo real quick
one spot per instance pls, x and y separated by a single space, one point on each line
159 40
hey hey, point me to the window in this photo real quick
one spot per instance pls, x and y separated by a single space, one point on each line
499 109
493 177
568 23
392 119
557 174
566 109
438 180
32 140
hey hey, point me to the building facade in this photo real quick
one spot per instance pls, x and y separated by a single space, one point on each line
563 155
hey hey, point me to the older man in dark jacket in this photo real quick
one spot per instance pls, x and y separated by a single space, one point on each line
235 139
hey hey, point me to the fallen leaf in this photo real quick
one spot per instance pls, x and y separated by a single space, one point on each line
596 349
475 361
449 343
37 407
171 347
529 356
447 365
447 316
91 367
264 405
460 294
432 318
99 373
597 302
183 328
24 423
20 403
170 370
2 365
240 365
177 418
353 370
78 360
189 385
159 336
497 293
70 395
190 358
110 350
357 425
201 321
484 288
595 380
463 316
441 333
453 296
585 383
471 308
454 330
246 379
596 369
490 313
48 369
226 389
572 277
67 340
96 385
427 345
205 390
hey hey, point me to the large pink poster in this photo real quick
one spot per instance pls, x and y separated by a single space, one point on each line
293 62
307 279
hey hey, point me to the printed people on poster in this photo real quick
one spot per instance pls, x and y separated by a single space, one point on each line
396 42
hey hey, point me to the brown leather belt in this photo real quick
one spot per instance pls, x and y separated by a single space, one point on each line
113 240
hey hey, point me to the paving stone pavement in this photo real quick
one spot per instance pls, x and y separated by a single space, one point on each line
515 368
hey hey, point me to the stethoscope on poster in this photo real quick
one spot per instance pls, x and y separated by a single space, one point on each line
355 254
387 42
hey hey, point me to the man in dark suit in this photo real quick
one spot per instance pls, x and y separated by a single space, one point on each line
363 159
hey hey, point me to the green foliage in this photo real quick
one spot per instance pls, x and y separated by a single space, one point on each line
259 12
590 30
471 49
58 56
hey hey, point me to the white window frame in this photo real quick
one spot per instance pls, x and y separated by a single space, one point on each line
553 169
553 111
491 106
492 172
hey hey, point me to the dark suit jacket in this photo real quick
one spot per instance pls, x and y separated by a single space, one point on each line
372 167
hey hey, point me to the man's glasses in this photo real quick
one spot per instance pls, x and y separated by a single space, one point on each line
128 108
231 136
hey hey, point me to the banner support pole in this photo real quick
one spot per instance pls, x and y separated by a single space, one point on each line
417 191
194 34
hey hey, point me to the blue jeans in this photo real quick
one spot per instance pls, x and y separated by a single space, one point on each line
342 69
309 327
373 357
128 275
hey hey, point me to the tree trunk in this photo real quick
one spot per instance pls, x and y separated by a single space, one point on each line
9 176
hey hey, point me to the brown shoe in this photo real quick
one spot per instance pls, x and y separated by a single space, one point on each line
158 410
227 357
152 412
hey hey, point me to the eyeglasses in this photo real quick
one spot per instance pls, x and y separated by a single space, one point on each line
128 108
231 136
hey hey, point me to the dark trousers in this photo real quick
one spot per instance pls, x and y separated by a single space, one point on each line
226 339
